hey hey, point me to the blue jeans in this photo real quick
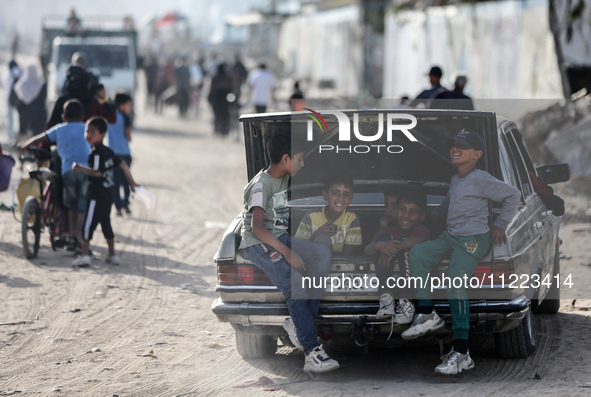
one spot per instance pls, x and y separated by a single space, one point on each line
75 188
121 180
302 303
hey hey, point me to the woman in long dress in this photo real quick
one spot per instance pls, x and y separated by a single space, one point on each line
221 87
31 90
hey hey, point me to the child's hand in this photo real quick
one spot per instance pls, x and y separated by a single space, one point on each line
295 261
328 228
384 260
498 236
389 248
22 147
132 186
75 166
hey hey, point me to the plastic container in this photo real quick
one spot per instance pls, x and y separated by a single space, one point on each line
6 164
144 198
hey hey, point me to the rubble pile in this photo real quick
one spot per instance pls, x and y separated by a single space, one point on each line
561 134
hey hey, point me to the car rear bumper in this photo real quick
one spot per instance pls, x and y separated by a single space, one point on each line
485 316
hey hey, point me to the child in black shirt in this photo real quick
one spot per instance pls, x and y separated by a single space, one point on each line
102 162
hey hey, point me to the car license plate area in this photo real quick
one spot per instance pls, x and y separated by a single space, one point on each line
357 283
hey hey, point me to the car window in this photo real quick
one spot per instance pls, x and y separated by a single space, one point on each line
98 56
507 168
360 199
420 163
524 154
520 168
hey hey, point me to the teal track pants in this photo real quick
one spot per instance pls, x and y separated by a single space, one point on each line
464 254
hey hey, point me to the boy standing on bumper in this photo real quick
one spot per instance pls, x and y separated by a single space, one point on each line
266 242
466 241
102 162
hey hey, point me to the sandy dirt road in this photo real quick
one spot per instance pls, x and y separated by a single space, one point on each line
145 328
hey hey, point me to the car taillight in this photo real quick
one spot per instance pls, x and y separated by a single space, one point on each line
244 274
494 272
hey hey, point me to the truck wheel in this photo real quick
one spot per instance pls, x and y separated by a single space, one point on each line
551 302
517 342
255 345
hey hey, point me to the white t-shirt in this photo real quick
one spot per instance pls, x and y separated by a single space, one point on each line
262 83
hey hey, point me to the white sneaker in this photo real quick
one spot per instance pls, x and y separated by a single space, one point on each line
81 261
405 311
317 361
423 323
114 260
454 363
386 307
289 326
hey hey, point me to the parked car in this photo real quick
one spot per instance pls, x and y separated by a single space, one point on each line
516 279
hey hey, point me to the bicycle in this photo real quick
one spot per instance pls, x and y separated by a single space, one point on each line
41 212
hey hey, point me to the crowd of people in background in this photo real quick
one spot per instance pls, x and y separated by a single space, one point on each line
229 88
185 82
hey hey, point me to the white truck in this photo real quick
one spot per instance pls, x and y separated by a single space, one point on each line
111 52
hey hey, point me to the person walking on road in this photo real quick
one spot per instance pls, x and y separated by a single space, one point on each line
72 148
119 135
183 85
222 85
261 84
296 100
459 100
14 73
426 96
31 91
102 163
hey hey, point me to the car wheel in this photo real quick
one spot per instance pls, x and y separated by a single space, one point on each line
255 345
551 302
517 342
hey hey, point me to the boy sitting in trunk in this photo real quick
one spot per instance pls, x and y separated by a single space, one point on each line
391 244
284 260
334 226
466 241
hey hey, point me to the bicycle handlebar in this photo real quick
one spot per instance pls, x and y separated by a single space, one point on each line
43 173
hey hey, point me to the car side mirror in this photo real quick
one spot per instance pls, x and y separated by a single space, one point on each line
554 173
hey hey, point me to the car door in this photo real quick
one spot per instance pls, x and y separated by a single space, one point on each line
549 224
539 229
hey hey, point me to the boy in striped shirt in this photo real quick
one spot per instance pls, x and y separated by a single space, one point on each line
334 226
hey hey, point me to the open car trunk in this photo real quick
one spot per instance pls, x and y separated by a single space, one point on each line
422 166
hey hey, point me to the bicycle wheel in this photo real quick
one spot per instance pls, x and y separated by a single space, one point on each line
31 227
